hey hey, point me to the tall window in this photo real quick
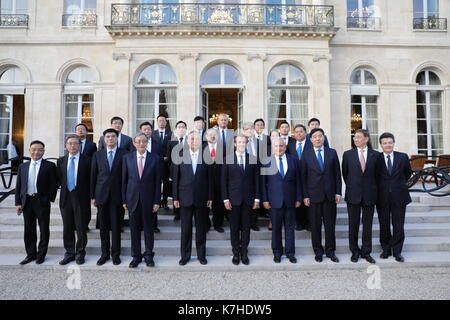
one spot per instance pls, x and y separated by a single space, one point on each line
13 6
364 110
426 15
79 101
362 14
80 13
156 94
288 96
429 114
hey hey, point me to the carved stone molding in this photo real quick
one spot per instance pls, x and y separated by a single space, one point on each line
121 56
318 57
183 56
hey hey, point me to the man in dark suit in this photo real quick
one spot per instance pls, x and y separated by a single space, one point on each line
296 148
74 171
314 123
141 196
285 131
163 135
88 147
36 187
359 170
106 194
192 193
322 186
199 126
174 151
393 196
153 146
281 194
124 141
240 194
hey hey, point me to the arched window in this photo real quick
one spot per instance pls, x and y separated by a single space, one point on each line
156 94
288 96
12 76
78 101
221 74
429 113
364 109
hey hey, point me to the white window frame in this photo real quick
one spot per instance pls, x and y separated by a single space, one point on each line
14 8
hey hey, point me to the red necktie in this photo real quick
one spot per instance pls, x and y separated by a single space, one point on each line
213 153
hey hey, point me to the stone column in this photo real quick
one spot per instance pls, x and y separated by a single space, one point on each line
255 92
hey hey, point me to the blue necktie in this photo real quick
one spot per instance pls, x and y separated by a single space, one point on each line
281 167
320 159
241 159
71 175
299 151
110 159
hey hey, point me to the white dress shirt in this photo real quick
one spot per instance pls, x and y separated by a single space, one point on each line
386 159
163 133
251 146
300 143
118 139
33 184
285 164
83 144
77 158
194 158
149 145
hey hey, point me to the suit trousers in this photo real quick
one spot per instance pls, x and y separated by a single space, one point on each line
392 241
284 215
354 218
74 220
34 210
138 218
326 211
109 216
218 210
301 217
240 217
200 215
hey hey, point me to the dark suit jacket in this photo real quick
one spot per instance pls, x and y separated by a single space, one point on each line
157 149
292 148
360 187
394 184
126 143
146 189
240 186
190 189
167 138
82 184
308 144
216 167
107 184
318 185
89 148
47 183
287 190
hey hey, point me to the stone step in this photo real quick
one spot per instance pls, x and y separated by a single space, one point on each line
221 247
223 263
434 216
174 233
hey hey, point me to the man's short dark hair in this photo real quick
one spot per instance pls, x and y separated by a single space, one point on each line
146 123
387 135
110 130
37 142
181 121
313 120
161 115
364 132
259 120
197 118
284 122
316 130
116 118
300 126
81 124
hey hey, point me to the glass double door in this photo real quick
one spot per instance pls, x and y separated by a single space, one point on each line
11 129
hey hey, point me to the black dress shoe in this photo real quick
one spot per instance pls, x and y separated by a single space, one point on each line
116 261
219 229
183 262
176 218
245 259
203 261
368 258
334 258
27 260
318 258
354 257
134 263
156 230
277 259
255 228
399 258
150 262
385 255
102 260
80 260
66 260
292 259
40 260
235 260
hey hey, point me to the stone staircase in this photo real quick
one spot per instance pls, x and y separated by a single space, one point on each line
427 241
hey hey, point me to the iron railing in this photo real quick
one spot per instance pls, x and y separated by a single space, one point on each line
370 23
79 20
13 20
430 23
433 180
221 14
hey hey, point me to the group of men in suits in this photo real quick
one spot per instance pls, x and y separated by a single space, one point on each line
296 180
